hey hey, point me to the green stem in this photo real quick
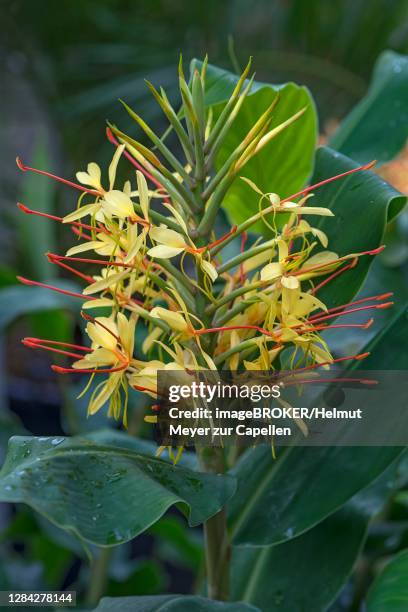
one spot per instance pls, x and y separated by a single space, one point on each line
216 539
245 344
99 576
238 259
232 296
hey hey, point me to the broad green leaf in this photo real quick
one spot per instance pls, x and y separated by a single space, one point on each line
284 165
377 128
362 204
105 490
279 499
306 573
19 300
389 592
169 603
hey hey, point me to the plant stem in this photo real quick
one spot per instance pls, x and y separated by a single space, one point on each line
99 576
216 539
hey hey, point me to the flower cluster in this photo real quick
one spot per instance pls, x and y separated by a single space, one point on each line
158 267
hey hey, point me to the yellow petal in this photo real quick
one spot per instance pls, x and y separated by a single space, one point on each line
136 246
164 252
143 193
209 269
256 261
92 178
324 257
113 165
271 271
99 303
283 250
117 203
305 210
274 199
109 281
177 216
82 211
290 282
108 388
251 184
85 246
167 236
126 330
320 235
174 319
98 358
103 333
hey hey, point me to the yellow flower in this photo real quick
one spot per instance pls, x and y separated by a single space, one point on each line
171 243
174 320
111 352
91 178
112 342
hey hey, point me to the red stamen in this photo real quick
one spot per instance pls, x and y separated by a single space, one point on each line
318 318
79 347
338 360
29 282
57 262
139 388
329 180
62 370
373 298
340 326
37 345
220 240
25 168
349 266
81 234
100 262
336 261
89 317
30 211
363 381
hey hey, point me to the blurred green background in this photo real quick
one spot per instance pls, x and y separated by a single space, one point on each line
64 66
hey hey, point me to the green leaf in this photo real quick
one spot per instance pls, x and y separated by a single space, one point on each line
389 592
106 489
377 128
284 165
363 204
169 603
19 300
279 499
288 577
